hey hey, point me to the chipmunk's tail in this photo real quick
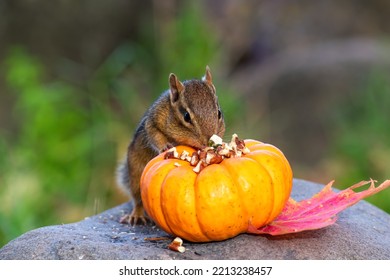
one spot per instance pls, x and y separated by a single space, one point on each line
122 176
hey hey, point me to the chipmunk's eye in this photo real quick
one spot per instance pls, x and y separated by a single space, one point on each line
219 114
187 117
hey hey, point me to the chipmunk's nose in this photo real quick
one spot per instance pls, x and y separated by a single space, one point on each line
203 142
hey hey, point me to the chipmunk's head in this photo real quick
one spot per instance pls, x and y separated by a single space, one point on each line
196 109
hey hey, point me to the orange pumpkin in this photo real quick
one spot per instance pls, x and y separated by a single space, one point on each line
222 199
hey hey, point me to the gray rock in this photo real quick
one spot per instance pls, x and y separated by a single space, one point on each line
361 232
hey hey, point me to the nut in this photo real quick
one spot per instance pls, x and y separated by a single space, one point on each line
213 157
184 155
240 143
222 150
201 164
233 144
215 140
202 154
197 168
194 159
177 245
171 153
216 159
210 155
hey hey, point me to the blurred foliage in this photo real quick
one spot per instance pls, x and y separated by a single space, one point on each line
360 147
55 153
60 163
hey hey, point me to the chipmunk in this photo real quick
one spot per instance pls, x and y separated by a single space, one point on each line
186 114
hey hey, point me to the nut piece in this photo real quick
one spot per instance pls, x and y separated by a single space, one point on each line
176 245
213 157
171 153
215 140
223 150
240 143
197 168
216 159
213 154
184 155
194 159
201 164
246 150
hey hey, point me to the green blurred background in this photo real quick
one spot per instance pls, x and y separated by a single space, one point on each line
311 77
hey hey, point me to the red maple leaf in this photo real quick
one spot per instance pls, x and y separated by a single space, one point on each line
317 212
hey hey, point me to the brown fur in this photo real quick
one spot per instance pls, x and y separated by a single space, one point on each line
164 125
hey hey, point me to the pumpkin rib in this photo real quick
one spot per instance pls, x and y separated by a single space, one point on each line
278 189
273 149
196 193
272 194
175 187
270 160
204 233
286 165
254 197
162 188
216 209
160 171
250 142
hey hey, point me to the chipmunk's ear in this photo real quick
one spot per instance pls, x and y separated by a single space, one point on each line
175 86
208 78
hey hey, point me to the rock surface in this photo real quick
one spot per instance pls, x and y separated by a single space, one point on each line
361 232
